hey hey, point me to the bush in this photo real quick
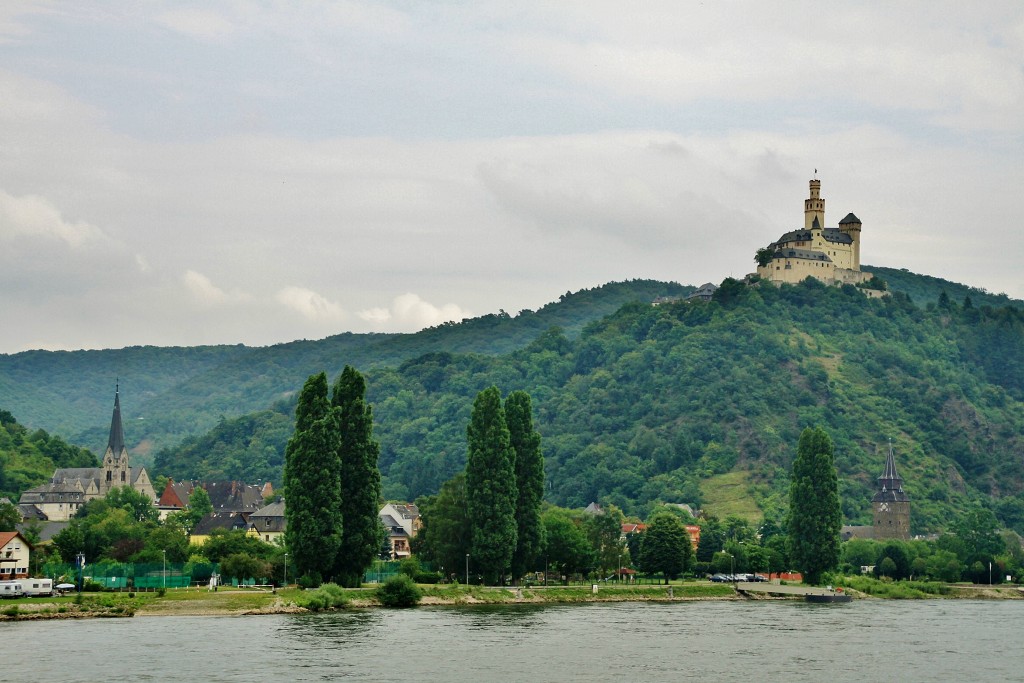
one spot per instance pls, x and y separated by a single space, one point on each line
399 591
327 596
428 577
311 580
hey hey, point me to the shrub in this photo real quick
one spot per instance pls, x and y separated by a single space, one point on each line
311 580
327 596
11 611
428 577
399 591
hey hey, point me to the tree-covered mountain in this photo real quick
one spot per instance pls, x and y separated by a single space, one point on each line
28 459
686 402
681 401
172 393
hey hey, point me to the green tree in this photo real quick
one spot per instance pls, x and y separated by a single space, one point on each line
9 516
666 547
815 516
312 483
529 469
445 537
360 480
139 505
604 531
243 566
491 486
567 551
199 505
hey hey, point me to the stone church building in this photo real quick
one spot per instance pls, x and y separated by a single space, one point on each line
72 487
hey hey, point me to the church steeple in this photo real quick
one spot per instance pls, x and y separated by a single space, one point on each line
116 471
890 479
115 443
891 504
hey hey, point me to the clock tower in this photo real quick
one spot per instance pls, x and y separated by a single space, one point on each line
891 505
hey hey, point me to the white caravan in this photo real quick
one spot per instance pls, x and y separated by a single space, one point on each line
36 587
11 589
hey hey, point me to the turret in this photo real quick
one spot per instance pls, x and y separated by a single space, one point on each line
851 226
814 207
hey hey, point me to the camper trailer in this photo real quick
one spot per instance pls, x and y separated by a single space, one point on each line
11 589
37 587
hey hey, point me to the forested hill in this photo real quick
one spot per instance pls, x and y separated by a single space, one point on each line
696 403
703 403
171 393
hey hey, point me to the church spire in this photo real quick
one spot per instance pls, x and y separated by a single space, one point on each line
890 479
115 444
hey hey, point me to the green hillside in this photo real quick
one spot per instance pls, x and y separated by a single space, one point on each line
172 393
657 403
639 403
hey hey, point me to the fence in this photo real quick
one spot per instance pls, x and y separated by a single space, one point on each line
140 575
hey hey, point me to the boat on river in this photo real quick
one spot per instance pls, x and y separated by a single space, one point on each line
830 596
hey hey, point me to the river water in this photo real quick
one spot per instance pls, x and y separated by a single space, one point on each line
868 640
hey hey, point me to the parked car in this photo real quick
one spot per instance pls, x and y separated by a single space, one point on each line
721 578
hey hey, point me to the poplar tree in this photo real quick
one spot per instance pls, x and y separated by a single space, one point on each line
815 517
359 480
490 487
529 470
312 485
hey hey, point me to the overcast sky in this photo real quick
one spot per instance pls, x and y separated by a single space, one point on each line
242 172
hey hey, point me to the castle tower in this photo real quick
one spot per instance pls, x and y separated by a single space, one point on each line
851 226
814 207
891 505
116 471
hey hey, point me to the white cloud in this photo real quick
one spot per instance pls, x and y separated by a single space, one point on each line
36 216
409 313
314 307
203 289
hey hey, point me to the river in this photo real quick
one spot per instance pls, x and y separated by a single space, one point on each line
868 640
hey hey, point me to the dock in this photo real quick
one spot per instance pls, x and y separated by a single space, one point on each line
745 587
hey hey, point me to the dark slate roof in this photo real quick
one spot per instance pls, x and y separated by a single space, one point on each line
815 224
792 236
234 496
836 235
213 521
890 484
116 440
850 218
802 254
47 530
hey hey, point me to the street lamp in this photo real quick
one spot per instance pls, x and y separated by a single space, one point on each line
165 568
286 570
467 570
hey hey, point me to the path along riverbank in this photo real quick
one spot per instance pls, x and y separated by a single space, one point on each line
235 602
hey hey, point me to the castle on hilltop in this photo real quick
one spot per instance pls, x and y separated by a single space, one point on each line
831 255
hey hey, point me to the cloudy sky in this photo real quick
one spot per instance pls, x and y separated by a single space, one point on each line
258 172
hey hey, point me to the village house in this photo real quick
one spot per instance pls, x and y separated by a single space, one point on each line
269 523
402 521
15 552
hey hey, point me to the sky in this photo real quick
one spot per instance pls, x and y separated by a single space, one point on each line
184 173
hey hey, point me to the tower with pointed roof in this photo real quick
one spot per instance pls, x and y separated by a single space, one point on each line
116 471
891 504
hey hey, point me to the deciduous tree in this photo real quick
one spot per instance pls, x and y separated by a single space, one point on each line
312 483
491 486
529 471
815 516
360 480
666 547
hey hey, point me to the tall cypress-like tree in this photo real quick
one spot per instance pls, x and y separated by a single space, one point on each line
360 480
815 517
490 487
312 486
529 469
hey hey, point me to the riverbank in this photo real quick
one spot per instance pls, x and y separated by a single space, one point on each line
240 601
